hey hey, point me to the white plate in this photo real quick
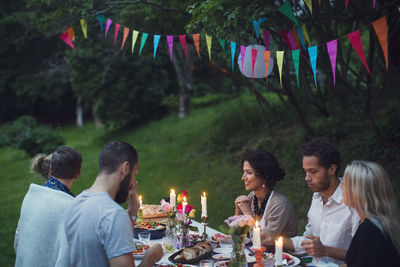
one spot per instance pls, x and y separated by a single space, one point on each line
223 250
221 263
220 257
296 261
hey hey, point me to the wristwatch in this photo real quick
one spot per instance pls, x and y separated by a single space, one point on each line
133 217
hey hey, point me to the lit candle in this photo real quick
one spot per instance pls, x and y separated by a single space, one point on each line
278 251
203 205
256 237
172 199
184 203
140 202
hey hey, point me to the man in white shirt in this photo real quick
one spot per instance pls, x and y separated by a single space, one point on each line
331 224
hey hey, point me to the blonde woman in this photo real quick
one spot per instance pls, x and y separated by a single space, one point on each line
41 164
366 188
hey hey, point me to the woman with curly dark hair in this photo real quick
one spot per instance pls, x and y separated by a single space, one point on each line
273 210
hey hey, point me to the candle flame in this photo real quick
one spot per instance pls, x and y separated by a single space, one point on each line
280 242
256 224
140 197
172 191
204 194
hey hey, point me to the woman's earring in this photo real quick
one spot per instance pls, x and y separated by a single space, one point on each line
263 185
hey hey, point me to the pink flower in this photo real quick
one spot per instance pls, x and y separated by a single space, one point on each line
239 221
165 206
179 207
180 216
188 209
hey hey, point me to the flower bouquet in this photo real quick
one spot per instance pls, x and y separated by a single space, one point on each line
238 227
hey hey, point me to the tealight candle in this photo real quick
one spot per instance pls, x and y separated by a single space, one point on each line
257 236
184 204
278 251
203 205
172 199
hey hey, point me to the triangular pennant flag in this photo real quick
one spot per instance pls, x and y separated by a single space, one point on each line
305 33
284 38
84 27
208 41
296 57
319 2
143 41
266 39
182 38
116 33
373 3
100 18
126 33
355 40
301 37
347 3
256 26
332 51
312 52
286 9
233 50
279 61
71 33
380 27
108 24
134 38
242 54
156 41
253 60
267 55
170 41
292 43
222 44
309 4
296 38
196 40
67 39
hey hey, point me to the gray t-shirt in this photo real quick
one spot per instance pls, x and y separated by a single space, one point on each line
97 229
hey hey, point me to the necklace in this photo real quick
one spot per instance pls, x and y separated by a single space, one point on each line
260 211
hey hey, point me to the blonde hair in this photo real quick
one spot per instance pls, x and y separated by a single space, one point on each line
41 164
368 190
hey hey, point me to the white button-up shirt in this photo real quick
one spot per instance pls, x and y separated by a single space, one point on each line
335 224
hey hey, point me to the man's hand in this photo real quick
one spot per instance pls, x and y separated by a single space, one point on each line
133 200
153 254
314 247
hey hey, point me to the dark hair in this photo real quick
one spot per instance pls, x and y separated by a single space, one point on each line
65 163
265 165
114 154
326 152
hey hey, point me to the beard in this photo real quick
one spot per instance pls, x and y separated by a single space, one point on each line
123 190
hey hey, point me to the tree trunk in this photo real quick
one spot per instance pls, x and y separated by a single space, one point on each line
79 113
97 120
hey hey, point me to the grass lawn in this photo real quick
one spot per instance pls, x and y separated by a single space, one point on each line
173 154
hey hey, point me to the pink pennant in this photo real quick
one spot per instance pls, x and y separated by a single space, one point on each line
284 38
116 32
108 24
266 39
292 43
67 39
347 4
373 3
355 40
182 38
170 40
242 54
332 51
253 60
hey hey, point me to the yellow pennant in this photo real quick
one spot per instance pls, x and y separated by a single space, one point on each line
279 59
305 33
84 27
208 40
309 5
134 37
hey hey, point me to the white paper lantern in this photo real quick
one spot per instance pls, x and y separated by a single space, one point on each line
259 66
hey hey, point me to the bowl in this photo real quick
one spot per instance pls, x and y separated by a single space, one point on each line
154 234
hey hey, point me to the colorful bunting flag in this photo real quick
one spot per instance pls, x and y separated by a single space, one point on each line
71 33
108 24
253 60
242 54
182 39
279 61
208 41
380 27
256 25
296 38
222 44
134 38
101 19
292 43
233 50
332 51
286 9
373 3
84 27
305 33
347 3
143 41
296 57
309 4
267 55
284 38
156 41
196 40
266 39
170 41
67 39
126 33
312 52
355 40
301 37
116 33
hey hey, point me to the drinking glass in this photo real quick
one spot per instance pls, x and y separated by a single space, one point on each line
207 263
144 237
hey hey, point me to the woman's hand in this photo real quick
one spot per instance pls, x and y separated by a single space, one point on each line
243 206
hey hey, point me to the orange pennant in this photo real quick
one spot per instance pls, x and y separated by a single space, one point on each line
380 27
126 32
71 33
296 38
196 39
267 55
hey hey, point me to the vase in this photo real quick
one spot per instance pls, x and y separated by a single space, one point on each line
170 240
184 237
238 257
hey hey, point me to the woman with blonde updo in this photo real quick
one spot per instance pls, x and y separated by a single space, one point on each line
41 164
366 188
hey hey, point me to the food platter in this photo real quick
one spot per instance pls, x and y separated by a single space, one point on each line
140 250
178 256
157 230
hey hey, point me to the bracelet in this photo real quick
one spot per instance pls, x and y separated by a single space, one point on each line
133 217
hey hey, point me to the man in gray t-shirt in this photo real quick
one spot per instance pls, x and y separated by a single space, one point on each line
98 230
